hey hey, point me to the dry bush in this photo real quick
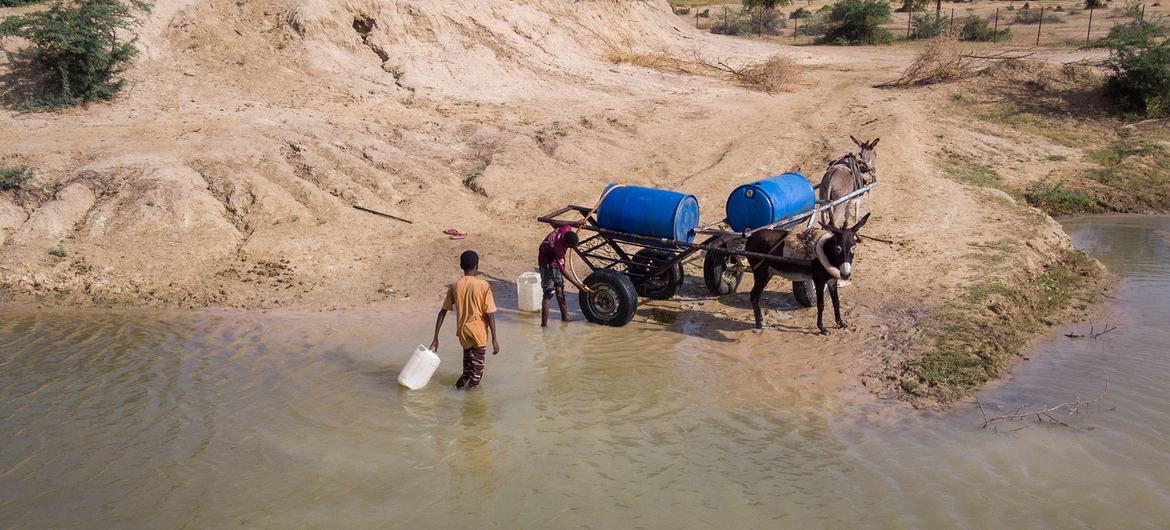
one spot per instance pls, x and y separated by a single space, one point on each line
778 73
944 60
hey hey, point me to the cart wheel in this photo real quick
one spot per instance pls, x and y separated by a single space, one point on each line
805 293
667 283
722 272
613 300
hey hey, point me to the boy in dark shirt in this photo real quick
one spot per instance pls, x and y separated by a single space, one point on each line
551 259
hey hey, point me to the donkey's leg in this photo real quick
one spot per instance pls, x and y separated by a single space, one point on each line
761 276
836 305
821 306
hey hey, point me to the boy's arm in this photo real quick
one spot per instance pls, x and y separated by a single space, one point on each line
448 304
489 316
438 325
491 322
572 276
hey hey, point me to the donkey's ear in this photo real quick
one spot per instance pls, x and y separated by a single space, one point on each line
829 227
860 223
873 144
856 141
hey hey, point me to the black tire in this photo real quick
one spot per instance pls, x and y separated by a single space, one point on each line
805 293
667 283
613 300
722 272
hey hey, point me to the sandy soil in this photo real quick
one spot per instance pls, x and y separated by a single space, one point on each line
226 174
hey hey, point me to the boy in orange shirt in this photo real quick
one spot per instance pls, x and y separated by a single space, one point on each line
471 298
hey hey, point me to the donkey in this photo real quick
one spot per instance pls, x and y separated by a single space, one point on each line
846 175
834 261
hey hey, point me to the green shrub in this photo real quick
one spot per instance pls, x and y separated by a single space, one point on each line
79 49
1056 200
12 178
857 22
800 12
1139 62
749 21
18 3
973 28
928 25
1094 4
816 25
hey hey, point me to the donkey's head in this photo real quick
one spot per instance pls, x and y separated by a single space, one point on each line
868 153
839 248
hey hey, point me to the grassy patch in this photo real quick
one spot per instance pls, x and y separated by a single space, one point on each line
1056 158
972 173
1137 167
12 178
981 335
1056 200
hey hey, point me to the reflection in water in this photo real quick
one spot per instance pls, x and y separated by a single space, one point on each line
133 419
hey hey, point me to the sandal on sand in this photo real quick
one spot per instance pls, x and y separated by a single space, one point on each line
451 232
458 236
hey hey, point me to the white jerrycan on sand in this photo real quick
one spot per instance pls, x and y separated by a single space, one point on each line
528 292
419 368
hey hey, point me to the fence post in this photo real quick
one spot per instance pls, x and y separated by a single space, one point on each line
1040 25
795 28
1143 17
951 26
696 17
1090 30
909 17
995 32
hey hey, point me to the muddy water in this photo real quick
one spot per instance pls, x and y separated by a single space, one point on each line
210 420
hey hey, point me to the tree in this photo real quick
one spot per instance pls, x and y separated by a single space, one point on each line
1139 61
762 7
858 22
79 48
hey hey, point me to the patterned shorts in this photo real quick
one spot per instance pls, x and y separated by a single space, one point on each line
472 367
551 280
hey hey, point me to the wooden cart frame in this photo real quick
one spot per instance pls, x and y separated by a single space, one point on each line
626 265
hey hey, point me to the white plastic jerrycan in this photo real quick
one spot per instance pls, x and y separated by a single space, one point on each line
419 368
528 292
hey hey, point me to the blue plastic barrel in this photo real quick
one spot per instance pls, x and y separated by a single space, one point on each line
766 201
649 212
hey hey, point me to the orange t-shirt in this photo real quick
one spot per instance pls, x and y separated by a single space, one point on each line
471 298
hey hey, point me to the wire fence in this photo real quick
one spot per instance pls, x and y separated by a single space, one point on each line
1049 23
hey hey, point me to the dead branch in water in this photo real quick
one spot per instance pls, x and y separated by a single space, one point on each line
1093 333
1072 406
944 60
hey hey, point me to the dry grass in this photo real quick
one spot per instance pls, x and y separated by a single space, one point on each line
778 73
658 61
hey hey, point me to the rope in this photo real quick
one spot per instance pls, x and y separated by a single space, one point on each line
569 258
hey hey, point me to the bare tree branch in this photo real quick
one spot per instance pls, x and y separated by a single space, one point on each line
1072 406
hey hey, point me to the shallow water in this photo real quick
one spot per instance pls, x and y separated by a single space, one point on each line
217 419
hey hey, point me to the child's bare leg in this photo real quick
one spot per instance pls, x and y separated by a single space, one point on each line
561 302
544 311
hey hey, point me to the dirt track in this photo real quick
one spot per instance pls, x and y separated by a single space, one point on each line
225 175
